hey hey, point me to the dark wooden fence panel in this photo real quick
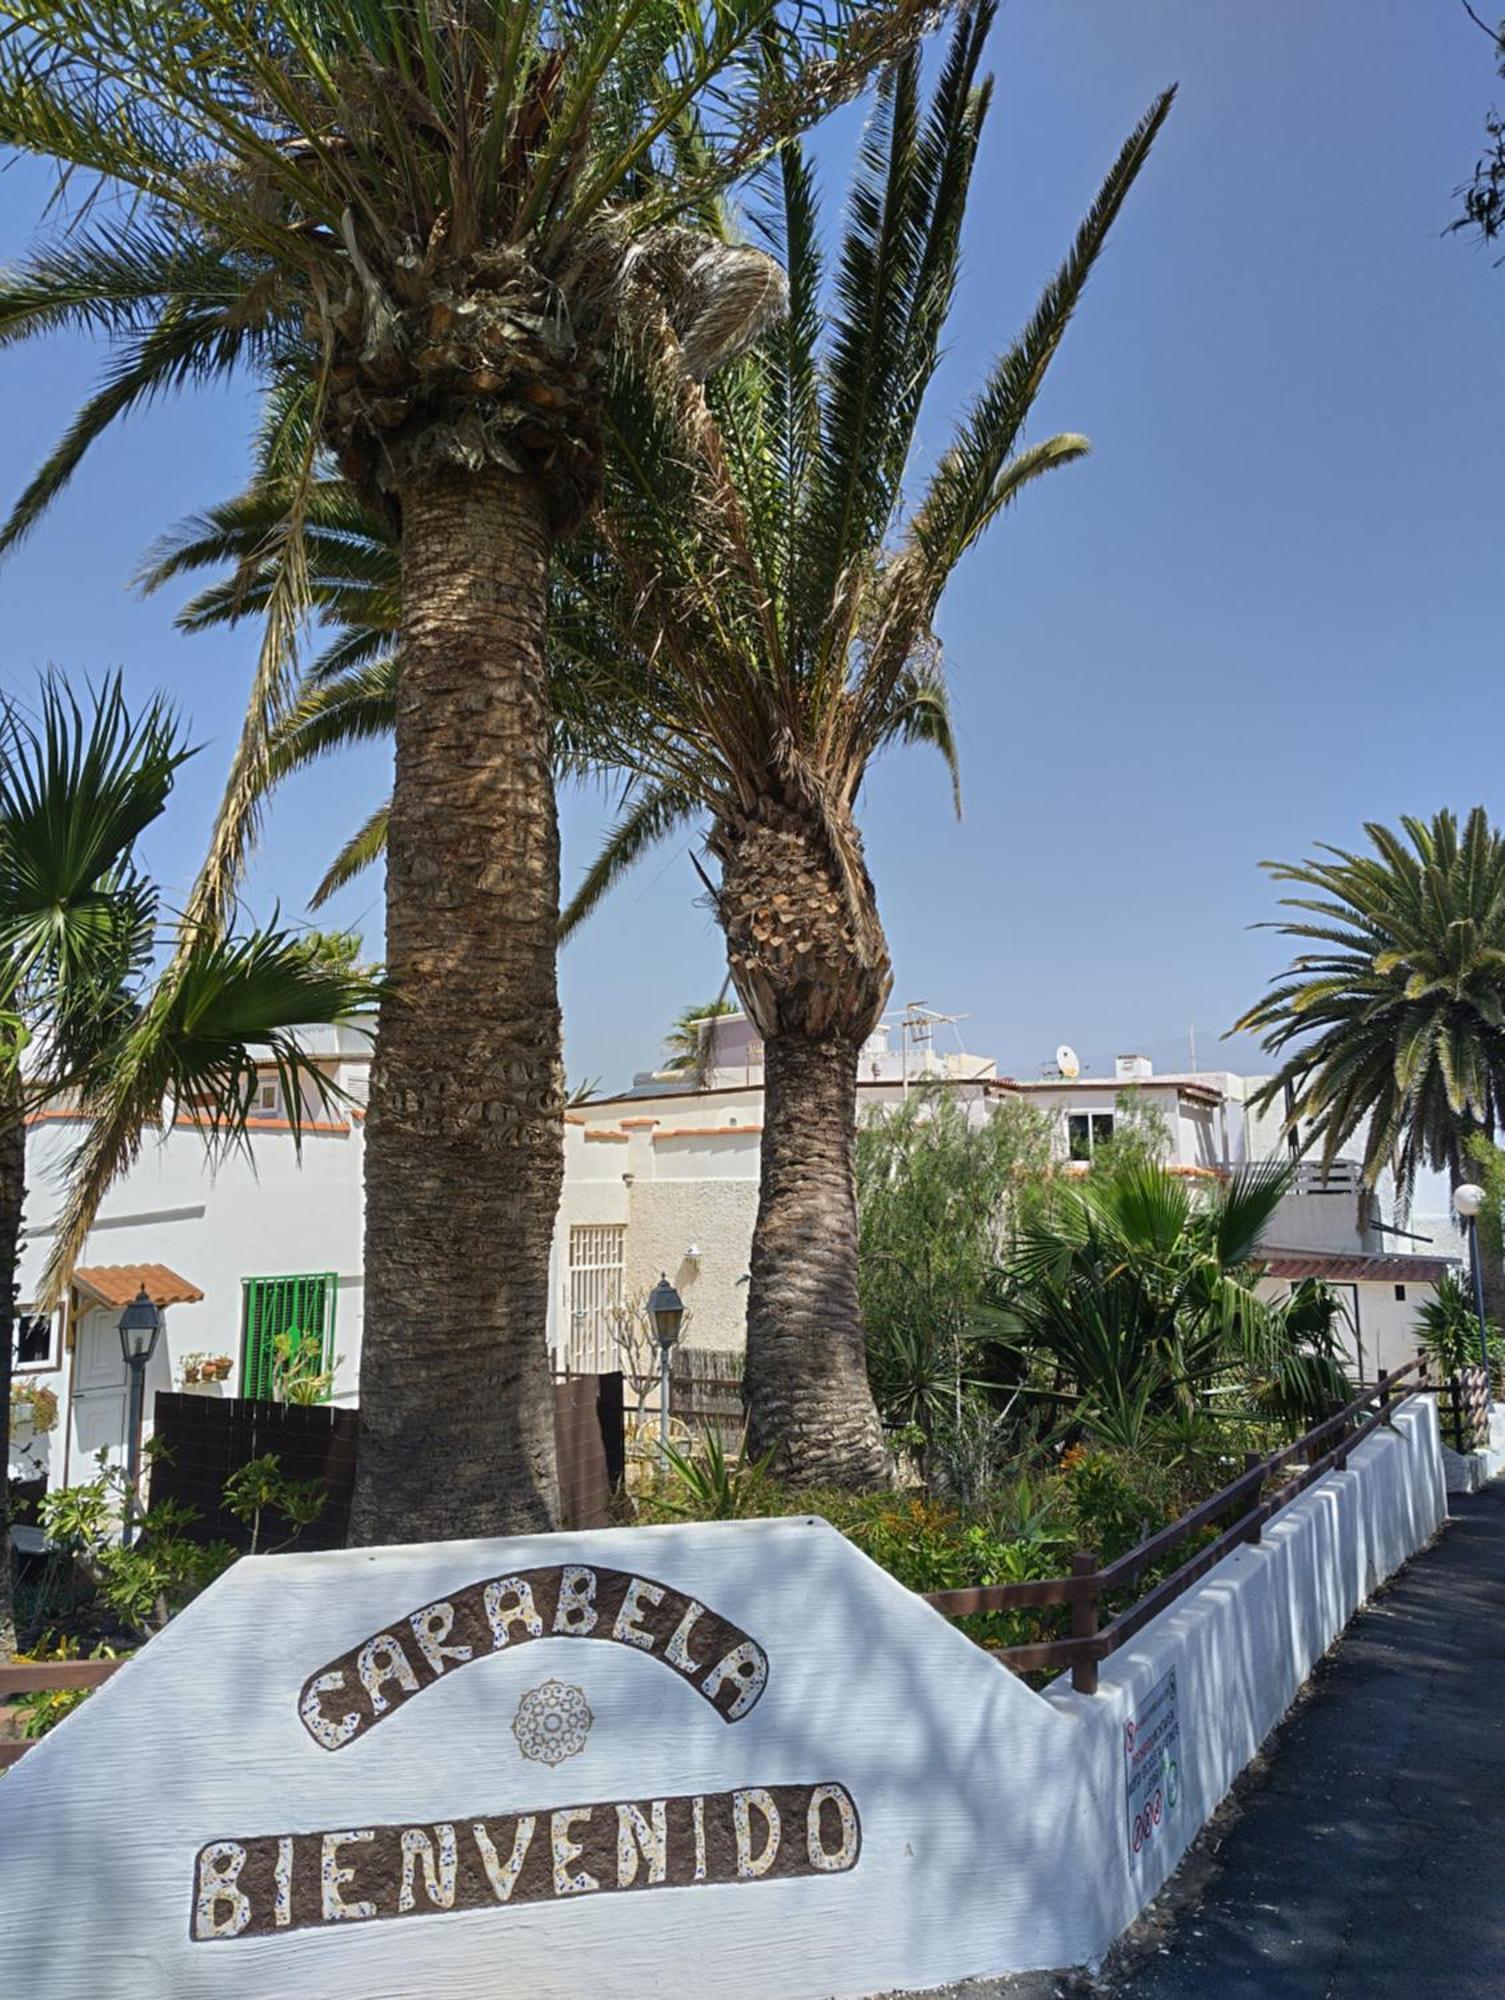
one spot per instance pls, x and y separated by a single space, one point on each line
705 1390
206 1438
590 1447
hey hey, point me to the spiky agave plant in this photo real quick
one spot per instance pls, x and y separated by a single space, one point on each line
438 217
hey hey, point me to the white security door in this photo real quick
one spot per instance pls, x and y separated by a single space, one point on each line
597 1252
99 1391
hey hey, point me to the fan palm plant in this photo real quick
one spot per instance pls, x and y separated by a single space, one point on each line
79 1011
1138 1291
435 221
1391 1018
753 616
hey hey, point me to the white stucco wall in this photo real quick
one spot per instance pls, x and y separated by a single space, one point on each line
1387 1334
994 1822
1243 1641
266 1215
716 1217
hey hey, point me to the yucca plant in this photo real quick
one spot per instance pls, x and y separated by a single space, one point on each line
81 1015
432 221
753 614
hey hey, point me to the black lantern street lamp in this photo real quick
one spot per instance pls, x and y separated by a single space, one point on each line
666 1310
140 1325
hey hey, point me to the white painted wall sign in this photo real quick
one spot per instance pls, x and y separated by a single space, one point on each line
731 1759
1152 1765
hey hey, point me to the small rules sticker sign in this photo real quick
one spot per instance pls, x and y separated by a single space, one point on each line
1152 1764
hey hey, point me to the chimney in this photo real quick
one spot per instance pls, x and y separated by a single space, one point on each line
1132 1069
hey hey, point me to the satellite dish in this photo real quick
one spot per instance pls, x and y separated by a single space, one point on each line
1068 1062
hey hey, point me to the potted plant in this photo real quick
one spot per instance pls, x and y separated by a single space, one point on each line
217 1368
32 1408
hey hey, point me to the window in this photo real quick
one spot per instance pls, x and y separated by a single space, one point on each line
597 1257
1400 1293
1086 1131
268 1099
33 1339
302 1307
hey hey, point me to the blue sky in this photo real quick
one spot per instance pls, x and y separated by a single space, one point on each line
1265 610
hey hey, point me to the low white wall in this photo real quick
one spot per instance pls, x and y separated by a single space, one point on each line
1241 1643
994 1822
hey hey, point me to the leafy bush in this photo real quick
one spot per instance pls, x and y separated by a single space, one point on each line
142 1586
1018 1529
261 1487
46 1707
936 1196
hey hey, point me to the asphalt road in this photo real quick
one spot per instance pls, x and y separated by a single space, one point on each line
1365 1858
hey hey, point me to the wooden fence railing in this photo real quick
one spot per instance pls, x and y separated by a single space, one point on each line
44 1676
1463 1408
1240 1509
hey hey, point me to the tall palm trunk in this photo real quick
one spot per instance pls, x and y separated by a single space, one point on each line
12 1202
464 1133
810 962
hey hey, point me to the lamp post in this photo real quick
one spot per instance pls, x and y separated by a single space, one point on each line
666 1309
1467 1202
140 1324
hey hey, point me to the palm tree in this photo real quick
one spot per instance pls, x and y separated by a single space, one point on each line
688 1044
771 590
753 614
79 1012
433 224
1394 1027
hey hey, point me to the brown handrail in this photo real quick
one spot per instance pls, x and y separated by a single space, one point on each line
1084 1589
44 1677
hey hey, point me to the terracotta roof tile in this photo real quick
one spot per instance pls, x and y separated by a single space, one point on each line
118 1284
1365 1266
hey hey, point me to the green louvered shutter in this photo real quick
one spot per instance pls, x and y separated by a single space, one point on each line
280 1305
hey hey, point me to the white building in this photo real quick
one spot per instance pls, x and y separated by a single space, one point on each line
259 1246
662 1177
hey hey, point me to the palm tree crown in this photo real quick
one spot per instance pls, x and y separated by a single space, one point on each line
687 1046
433 221
1395 1023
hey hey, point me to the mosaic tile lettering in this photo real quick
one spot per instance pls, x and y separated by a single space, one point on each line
267 1884
721 1662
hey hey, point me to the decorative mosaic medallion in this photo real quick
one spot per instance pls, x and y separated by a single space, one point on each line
552 1722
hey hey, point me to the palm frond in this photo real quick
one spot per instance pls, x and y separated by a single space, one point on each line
192 1057
648 820
365 847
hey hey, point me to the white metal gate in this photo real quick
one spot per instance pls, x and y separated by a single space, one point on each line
597 1252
